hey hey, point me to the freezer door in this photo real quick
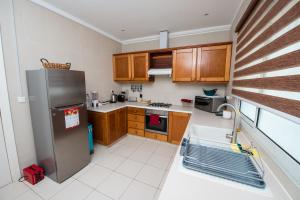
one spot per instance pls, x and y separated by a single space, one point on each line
70 140
65 87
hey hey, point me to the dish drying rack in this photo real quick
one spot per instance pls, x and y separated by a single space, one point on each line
218 159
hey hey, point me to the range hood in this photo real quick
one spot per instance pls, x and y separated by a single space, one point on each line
166 68
155 72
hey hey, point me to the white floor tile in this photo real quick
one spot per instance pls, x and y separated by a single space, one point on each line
114 186
150 175
74 191
94 176
47 188
29 195
166 150
148 146
140 155
138 191
111 161
159 161
130 168
12 191
125 150
97 196
84 170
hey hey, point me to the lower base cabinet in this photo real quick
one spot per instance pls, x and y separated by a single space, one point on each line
156 136
177 124
108 127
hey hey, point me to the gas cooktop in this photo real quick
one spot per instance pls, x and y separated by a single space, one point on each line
161 105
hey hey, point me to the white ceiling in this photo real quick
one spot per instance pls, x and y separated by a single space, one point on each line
142 18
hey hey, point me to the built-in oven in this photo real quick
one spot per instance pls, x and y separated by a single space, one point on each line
156 121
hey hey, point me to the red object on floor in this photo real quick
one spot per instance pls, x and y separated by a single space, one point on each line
33 174
154 120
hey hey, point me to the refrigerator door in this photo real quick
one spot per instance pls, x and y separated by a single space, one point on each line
70 135
65 87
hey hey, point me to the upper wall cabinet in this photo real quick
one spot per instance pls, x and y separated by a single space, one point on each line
184 65
198 63
140 66
122 71
131 67
213 63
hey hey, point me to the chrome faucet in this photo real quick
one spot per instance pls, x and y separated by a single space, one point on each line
233 136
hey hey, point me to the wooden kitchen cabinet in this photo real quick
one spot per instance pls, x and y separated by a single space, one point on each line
108 127
140 66
184 65
177 124
213 63
100 127
131 67
121 68
112 126
122 122
136 121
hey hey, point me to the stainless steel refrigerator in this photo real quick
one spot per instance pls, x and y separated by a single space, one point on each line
59 121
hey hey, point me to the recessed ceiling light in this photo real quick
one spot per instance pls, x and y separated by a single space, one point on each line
205 14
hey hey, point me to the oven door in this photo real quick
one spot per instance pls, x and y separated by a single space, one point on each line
161 128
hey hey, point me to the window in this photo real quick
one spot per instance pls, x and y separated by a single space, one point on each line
282 132
248 110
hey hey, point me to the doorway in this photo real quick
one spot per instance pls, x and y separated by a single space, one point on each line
9 165
5 175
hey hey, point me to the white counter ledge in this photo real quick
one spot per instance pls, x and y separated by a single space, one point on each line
182 183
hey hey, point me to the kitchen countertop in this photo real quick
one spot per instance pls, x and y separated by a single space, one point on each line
114 106
182 183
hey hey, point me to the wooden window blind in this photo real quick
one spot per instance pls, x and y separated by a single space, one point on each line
267 67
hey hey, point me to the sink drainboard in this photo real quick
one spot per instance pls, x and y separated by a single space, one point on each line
222 163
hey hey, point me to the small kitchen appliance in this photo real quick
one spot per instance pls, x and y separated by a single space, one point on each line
209 103
121 97
33 174
114 97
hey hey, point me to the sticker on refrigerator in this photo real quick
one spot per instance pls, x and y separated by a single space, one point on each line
71 117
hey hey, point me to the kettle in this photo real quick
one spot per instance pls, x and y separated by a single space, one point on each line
114 97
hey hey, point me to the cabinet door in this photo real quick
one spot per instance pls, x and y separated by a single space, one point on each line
112 126
140 66
122 67
177 125
184 65
122 122
98 120
213 63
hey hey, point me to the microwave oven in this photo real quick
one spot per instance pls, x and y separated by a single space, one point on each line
209 103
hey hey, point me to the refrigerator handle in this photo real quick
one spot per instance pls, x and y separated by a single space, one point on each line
68 107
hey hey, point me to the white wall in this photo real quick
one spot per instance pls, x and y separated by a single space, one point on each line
41 33
164 90
220 36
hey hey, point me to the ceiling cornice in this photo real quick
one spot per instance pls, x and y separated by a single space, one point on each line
134 40
73 18
179 34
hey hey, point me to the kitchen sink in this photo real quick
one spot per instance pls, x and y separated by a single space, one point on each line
213 155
